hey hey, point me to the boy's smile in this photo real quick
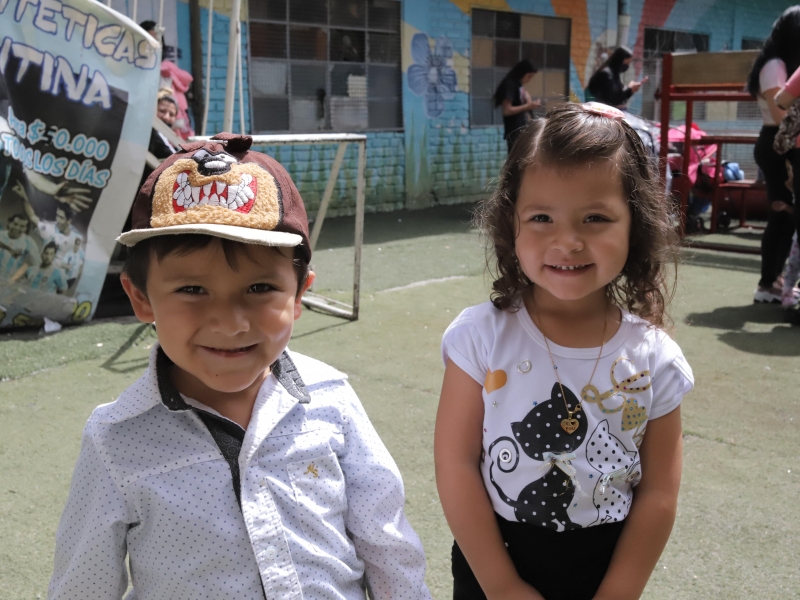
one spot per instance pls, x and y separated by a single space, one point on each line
573 231
222 326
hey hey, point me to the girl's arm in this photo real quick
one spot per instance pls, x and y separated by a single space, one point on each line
776 112
457 452
652 513
789 92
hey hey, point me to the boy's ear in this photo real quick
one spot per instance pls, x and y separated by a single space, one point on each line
139 300
298 301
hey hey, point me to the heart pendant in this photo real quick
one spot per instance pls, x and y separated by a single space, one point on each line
569 425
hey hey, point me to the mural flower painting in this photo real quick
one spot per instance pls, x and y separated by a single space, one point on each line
432 73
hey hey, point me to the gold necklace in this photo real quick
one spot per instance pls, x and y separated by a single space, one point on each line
570 424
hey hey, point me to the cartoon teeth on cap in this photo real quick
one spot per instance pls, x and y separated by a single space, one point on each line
214 187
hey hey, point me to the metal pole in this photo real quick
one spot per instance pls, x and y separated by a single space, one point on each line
666 85
230 80
241 87
160 18
326 197
360 185
135 9
208 65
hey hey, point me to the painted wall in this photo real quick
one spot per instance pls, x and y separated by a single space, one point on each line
438 157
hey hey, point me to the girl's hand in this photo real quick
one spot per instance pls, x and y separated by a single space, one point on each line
783 99
516 590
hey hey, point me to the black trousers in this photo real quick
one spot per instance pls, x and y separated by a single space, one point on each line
567 565
777 239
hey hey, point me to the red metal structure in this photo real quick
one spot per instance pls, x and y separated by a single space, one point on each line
706 77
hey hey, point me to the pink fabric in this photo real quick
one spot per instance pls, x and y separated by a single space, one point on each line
181 80
697 153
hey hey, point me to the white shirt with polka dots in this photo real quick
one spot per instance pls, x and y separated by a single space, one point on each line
321 502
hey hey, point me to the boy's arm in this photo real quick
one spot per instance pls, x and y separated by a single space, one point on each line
91 537
649 523
393 557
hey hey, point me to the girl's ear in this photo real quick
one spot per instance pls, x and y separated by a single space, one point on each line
139 300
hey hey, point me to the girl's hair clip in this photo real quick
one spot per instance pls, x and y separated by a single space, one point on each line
603 110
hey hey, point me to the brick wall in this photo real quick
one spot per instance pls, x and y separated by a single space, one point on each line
461 162
309 167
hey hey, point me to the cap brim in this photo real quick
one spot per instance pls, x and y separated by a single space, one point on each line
245 235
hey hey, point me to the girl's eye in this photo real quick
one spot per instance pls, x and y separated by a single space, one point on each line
540 218
191 289
261 288
596 219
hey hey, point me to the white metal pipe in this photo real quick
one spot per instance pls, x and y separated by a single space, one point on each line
135 9
361 182
326 196
209 37
230 80
241 86
161 19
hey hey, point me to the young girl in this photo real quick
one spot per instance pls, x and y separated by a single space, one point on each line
550 387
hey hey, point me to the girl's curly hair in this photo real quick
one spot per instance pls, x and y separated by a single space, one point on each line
571 136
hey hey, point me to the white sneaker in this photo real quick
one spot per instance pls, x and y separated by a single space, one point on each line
766 296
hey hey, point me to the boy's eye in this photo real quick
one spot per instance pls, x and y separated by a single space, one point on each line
261 288
541 218
191 289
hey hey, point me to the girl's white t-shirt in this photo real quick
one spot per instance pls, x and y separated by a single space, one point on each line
772 75
534 471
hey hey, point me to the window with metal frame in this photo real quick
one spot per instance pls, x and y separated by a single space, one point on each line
657 42
499 41
325 65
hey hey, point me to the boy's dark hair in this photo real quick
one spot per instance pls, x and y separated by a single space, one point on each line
148 25
52 245
138 262
571 137
67 210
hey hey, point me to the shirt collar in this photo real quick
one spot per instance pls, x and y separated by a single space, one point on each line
283 369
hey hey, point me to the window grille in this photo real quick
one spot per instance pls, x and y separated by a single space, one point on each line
656 43
499 41
325 65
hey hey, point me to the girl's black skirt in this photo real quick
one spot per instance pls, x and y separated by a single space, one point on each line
567 565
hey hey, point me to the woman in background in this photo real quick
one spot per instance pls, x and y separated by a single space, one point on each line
515 100
777 61
606 84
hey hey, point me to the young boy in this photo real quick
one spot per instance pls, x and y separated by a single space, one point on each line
233 468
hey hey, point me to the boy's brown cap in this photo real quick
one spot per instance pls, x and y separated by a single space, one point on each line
221 188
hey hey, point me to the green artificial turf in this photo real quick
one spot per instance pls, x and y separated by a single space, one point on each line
739 518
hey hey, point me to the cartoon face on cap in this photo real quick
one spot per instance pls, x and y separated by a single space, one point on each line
213 187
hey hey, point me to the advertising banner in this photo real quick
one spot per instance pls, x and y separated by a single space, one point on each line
78 84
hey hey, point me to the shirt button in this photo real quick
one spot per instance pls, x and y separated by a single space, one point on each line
272 552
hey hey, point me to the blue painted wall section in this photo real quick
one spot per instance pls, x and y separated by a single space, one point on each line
439 157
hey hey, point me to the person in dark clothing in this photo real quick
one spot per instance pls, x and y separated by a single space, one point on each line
778 60
515 100
606 85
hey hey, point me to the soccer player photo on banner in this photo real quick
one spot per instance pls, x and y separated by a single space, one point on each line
78 85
